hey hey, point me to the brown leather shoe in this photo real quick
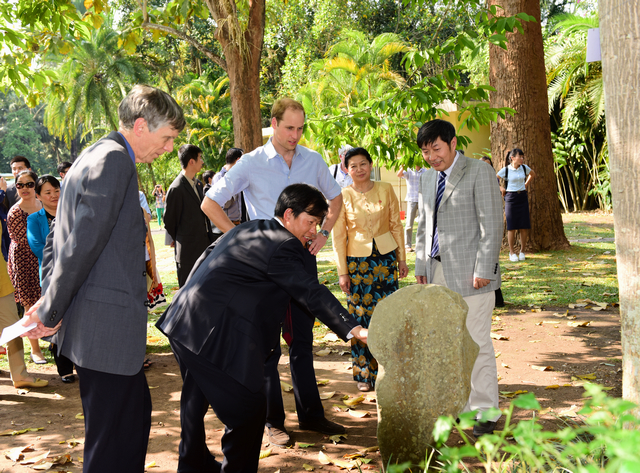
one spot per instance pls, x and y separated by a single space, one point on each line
278 436
36 383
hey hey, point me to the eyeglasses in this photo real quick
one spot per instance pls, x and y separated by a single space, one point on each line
28 185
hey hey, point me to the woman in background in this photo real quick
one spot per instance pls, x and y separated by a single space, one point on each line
516 176
369 244
38 228
22 264
160 196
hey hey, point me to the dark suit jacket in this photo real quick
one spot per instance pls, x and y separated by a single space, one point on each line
93 268
231 309
186 224
11 196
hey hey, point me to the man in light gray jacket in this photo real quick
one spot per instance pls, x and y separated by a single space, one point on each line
94 281
458 246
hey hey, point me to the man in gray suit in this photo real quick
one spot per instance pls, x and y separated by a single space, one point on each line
458 246
94 280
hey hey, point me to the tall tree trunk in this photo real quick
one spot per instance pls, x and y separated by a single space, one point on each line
619 32
242 54
518 76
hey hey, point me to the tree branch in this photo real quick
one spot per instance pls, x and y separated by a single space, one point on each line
185 37
146 24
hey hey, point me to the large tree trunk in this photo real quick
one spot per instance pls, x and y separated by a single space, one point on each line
518 76
242 53
619 32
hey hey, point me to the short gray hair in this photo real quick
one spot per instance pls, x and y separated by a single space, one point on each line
154 105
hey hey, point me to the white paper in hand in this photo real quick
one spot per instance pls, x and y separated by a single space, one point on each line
14 331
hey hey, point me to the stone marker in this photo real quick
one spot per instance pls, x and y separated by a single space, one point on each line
425 356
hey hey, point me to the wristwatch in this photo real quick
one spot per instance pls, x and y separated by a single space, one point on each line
324 233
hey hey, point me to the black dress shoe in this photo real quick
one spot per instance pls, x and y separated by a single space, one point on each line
70 378
323 425
484 428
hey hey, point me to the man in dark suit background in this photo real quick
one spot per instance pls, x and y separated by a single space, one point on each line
184 221
225 323
94 281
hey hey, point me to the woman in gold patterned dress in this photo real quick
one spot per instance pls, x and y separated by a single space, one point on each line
369 244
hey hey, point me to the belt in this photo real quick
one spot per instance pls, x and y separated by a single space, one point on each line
515 192
437 257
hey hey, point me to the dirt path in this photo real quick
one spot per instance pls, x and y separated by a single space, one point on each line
534 339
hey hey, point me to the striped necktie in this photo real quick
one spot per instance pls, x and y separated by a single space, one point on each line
435 245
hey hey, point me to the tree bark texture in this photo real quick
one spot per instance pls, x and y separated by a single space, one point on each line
620 46
518 75
242 50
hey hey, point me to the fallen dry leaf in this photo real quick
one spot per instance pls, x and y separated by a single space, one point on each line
10 432
324 352
337 438
535 341
322 382
323 458
151 465
504 365
307 467
265 453
590 376
17 453
542 368
497 336
325 396
351 456
306 445
498 354
331 337
42 466
584 323
36 459
370 449
553 386
355 401
286 387
358 414
80 416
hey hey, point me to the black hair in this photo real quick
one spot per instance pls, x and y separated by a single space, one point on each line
29 173
63 166
302 198
20 159
42 180
186 153
515 152
233 155
434 129
356 152
208 175
487 158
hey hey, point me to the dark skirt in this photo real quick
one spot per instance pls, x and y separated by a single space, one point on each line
372 279
516 208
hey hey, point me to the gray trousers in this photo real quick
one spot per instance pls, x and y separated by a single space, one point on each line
412 211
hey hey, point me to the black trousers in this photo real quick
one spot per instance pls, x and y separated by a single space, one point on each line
117 421
307 397
241 411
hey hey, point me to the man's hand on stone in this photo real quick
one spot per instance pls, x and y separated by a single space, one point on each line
317 244
480 282
421 279
360 333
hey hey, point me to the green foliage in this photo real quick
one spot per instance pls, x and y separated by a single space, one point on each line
31 28
207 109
605 440
386 123
576 94
92 80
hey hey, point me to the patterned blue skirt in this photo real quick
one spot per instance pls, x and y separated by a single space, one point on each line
372 279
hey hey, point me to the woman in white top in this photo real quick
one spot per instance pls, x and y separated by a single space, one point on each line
516 176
